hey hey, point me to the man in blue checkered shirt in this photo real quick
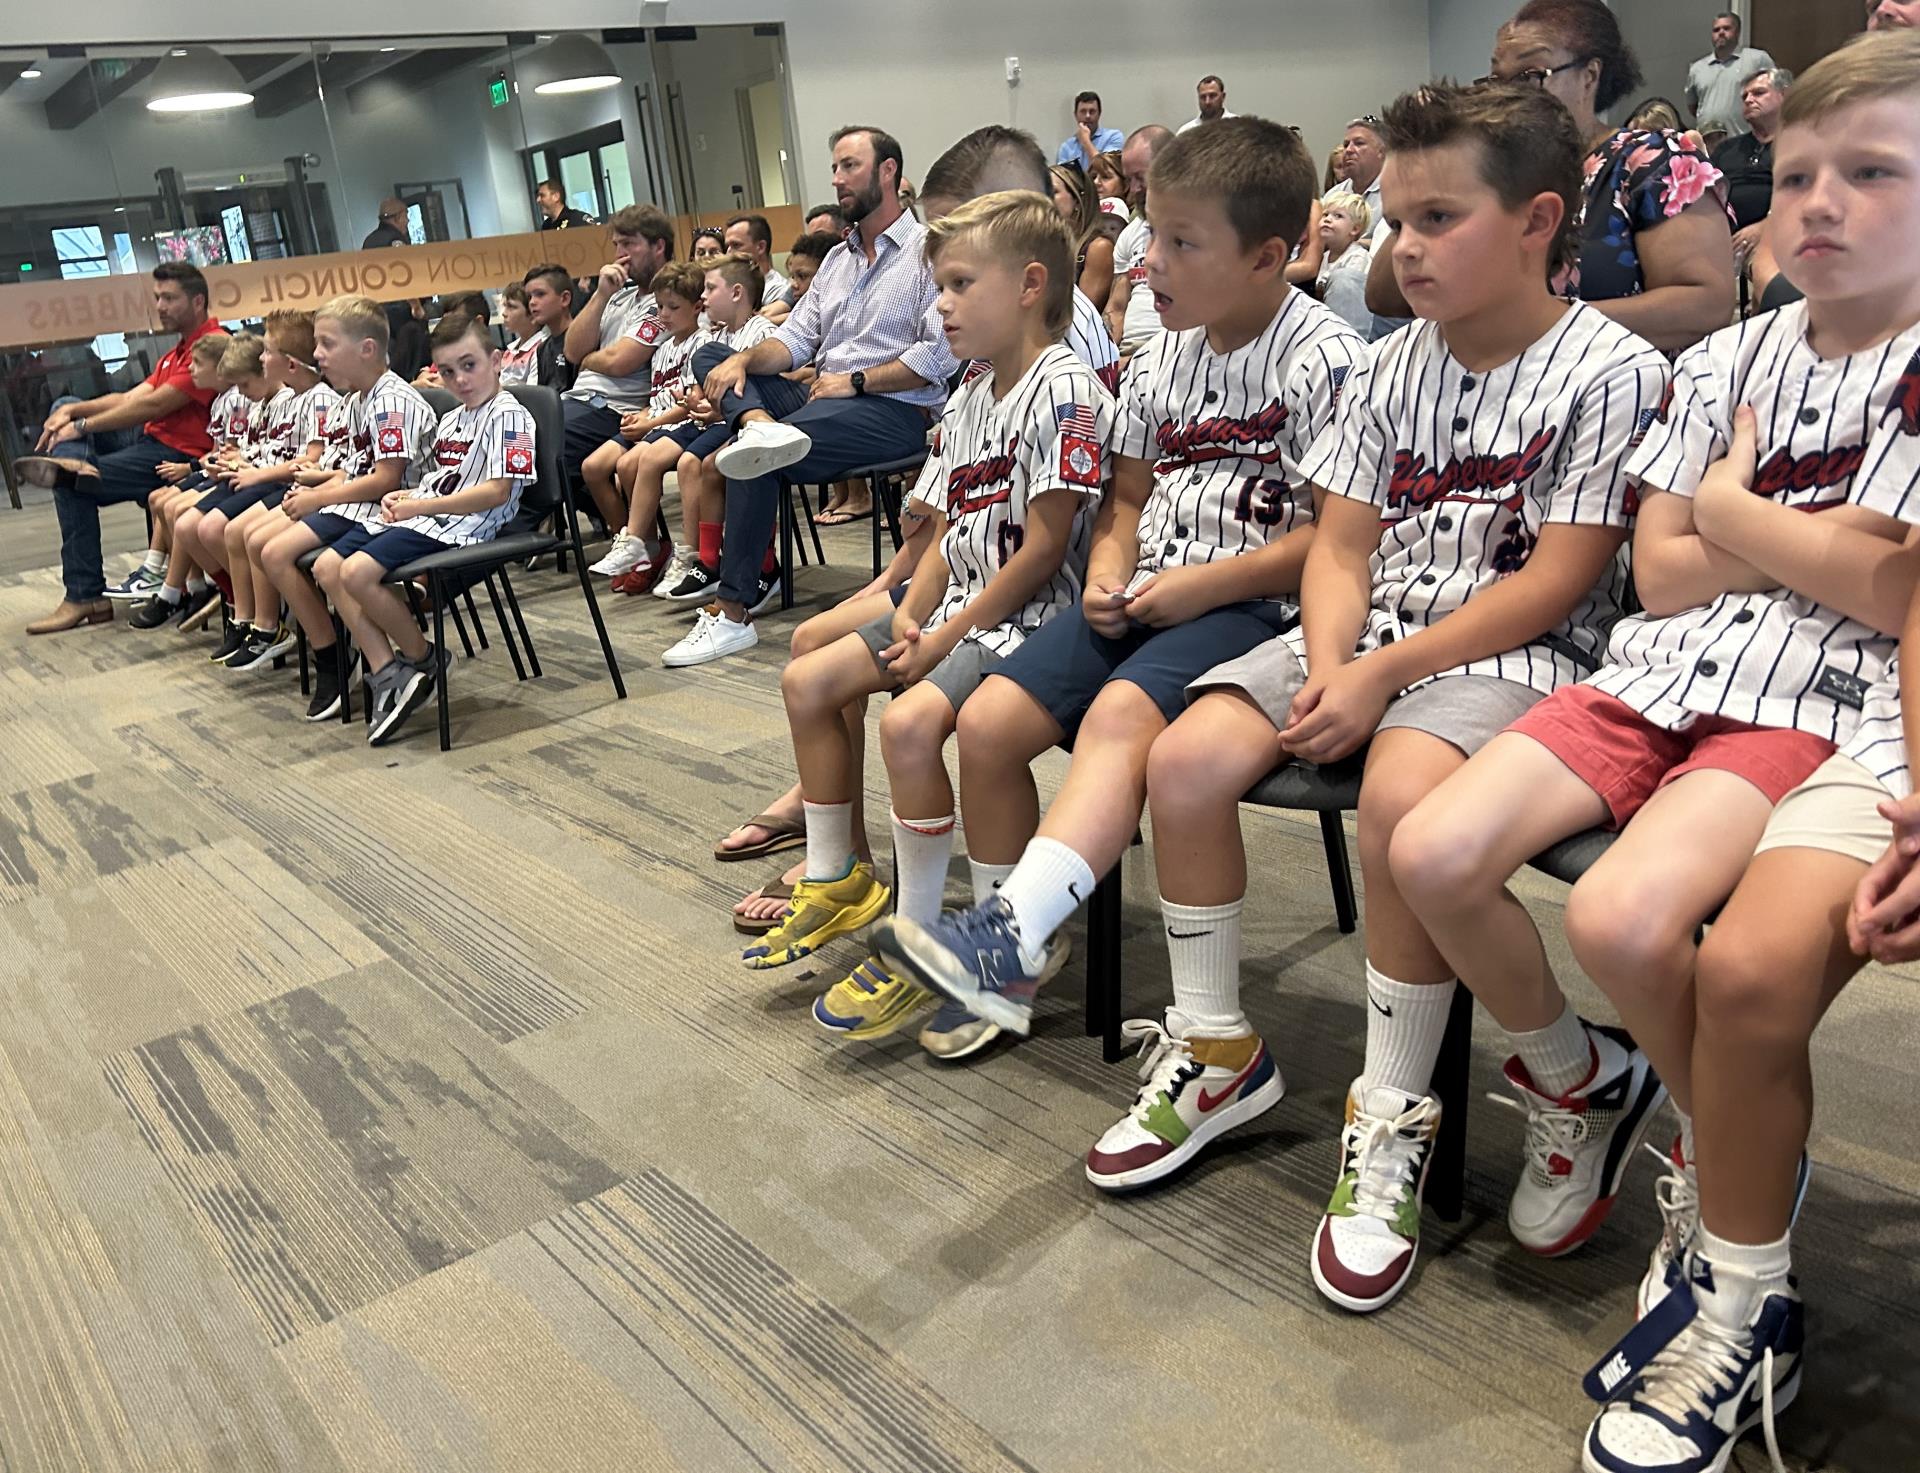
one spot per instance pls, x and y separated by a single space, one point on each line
869 329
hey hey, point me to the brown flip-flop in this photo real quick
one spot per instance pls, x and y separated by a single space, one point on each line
772 890
785 834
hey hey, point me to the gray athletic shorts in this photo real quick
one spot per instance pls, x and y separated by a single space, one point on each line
1465 711
956 677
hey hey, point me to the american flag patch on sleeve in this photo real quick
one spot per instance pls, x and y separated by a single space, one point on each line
390 432
518 447
1077 419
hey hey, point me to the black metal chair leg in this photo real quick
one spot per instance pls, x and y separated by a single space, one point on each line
1447 1170
892 504
813 528
873 526
343 664
479 625
599 624
460 628
1333 834
506 634
520 623
306 687
1104 972
438 595
786 548
799 543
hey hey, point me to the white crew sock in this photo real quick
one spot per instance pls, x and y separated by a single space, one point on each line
1406 1022
1744 1273
1049 884
987 878
196 584
1203 947
168 594
829 840
921 848
1559 1056
155 561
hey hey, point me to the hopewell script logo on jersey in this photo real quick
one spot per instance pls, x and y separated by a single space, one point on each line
1906 397
981 482
1222 437
1416 486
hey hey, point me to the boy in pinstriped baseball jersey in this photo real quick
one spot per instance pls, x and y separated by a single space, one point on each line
483 458
1022 453
1824 406
1196 556
1472 507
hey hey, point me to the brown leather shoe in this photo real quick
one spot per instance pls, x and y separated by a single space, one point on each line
44 470
71 615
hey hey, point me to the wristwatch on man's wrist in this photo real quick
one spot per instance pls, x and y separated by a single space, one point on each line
859 382
79 424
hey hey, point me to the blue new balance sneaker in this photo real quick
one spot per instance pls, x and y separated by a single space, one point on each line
1681 1408
976 957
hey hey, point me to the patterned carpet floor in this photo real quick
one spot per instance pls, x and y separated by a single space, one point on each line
406 1111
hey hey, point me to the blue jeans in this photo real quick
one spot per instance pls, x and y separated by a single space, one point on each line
846 433
128 462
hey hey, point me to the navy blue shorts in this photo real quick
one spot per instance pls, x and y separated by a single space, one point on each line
1063 665
235 502
391 547
697 440
328 526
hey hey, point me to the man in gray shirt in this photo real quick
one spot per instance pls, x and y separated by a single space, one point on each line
1715 80
611 340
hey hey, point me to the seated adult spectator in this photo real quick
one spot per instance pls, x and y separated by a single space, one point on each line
1889 15
1334 177
1656 251
555 212
869 327
1211 93
826 220
1746 159
164 418
709 244
751 236
1130 314
1093 251
1363 152
1715 80
1658 114
610 342
909 198
1089 139
550 304
1342 279
1108 177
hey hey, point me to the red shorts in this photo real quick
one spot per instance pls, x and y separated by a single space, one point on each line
1626 759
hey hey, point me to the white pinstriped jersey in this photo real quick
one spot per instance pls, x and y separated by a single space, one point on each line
1776 658
228 418
1891 487
672 366
756 329
336 433
1226 432
491 443
1090 341
318 408
1468 467
388 422
1049 431
270 431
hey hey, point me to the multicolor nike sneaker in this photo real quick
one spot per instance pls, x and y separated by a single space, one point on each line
1364 1249
820 911
871 1002
977 957
1684 1386
1195 1089
1580 1144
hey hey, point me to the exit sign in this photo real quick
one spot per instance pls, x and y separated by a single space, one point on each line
497 91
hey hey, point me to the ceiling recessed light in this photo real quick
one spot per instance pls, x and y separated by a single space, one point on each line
385 49
30 73
178 51
119 209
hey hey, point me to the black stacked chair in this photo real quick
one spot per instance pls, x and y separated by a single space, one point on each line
890 481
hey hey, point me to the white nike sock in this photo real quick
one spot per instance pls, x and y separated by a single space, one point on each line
1559 1056
921 848
155 562
1743 1275
987 878
1406 1022
1049 884
829 840
1203 948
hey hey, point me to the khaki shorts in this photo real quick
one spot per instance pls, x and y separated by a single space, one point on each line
1836 809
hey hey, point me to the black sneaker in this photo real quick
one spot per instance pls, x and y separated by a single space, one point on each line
766 592
151 613
406 692
199 608
263 647
326 687
235 638
253 641
697 586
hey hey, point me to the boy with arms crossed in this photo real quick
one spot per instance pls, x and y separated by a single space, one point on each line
1021 451
390 433
1197 552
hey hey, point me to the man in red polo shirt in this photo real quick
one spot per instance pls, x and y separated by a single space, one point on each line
171 417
